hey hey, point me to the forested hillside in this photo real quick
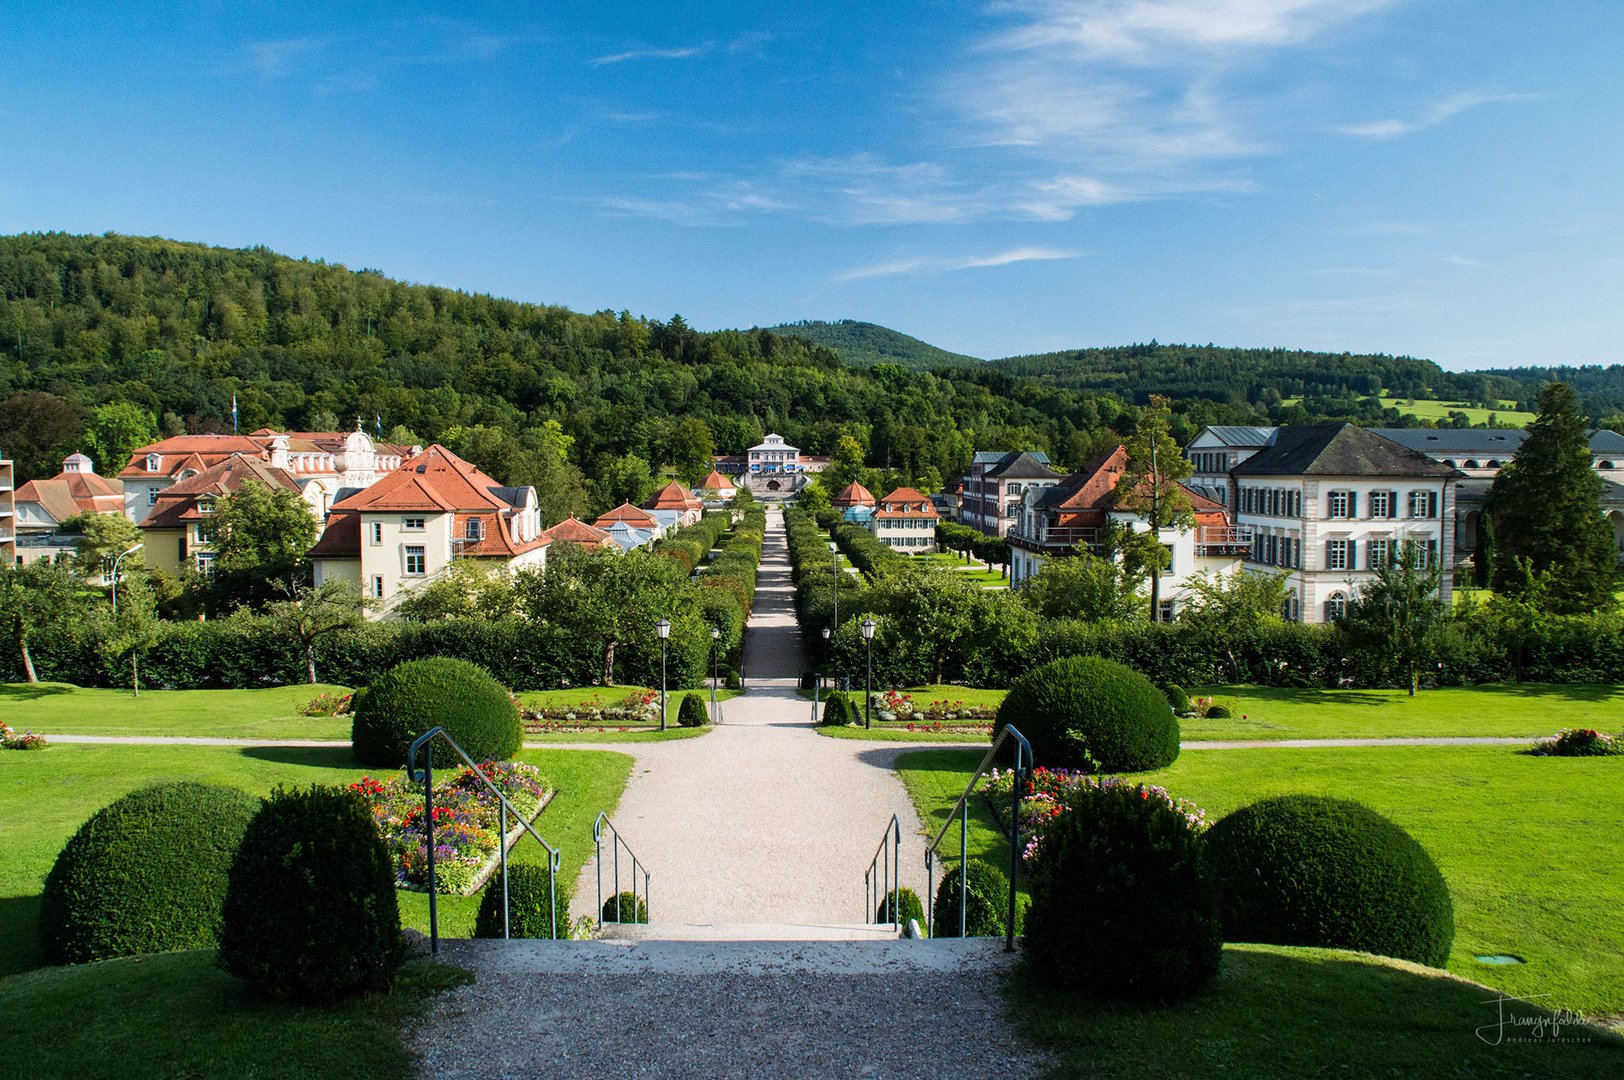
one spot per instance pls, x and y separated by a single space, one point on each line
533 393
865 343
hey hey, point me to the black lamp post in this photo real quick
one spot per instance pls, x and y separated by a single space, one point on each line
663 628
834 560
868 682
817 687
716 636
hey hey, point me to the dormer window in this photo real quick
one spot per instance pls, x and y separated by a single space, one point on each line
154 462
475 529
205 506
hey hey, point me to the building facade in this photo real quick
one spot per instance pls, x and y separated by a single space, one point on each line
8 513
905 521
772 469
179 531
991 494
41 507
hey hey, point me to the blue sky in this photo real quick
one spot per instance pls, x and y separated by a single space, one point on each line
1434 177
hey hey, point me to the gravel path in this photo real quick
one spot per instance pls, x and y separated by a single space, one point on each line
728 1009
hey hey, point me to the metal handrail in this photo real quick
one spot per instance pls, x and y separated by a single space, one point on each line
962 811
880 886
597 838
554 858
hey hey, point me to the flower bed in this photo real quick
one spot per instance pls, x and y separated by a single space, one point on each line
641 707
466 819
328 704
1044 797
1579 742
28 740
895 705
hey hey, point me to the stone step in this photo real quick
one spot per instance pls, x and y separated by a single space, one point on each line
666 931
731 957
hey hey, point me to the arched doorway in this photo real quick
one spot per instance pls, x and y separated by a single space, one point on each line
774 485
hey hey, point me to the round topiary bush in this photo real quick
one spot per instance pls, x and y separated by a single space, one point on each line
1218 712
837 709
145 874
1124 902
1177 699
310 911
691 713
412 697
905 902
624 907
528 909
1312 870
986 911
1084 712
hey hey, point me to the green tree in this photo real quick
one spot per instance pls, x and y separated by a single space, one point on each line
813 498
135 625
1236 602
1547 508
612 599
1083 586
1149 484
116 431
845 464
691 449
468 589
33 597
100 538
40 430
262 539
311 613
1396 615
622 480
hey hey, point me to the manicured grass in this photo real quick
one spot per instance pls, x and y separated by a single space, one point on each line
610 695
269 713
50 793
1510 709
178 1015
900 733
1423 409
1530 846
972 571
635 734
1282 1014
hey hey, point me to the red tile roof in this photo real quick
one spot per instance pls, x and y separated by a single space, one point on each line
68 494
341 539
196 452
178 503
672 497
631 515
906 503
435 481
571 531
853 494
716 482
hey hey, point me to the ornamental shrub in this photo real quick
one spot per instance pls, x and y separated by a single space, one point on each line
1083 712
1579 742
413 697
145 874
631 908
905 902
1312 870
1177 699
691 713
838 709
1218 711
527 904
1124 901
310 911
986 905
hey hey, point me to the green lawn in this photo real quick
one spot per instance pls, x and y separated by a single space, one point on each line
1282 1014
1433 409
178 1015
50 793
1530 846
972 571
1510 709
270 713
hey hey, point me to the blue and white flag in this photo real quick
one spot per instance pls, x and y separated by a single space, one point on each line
234 413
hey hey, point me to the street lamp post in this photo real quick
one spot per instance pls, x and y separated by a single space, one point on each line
834 561
663 628
116 561
868 681
716 636
817 687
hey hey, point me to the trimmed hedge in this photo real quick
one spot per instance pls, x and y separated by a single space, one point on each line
986 902
528 910
1124 902
146 874
413 697
1082 707
1312 870
310 912
691 713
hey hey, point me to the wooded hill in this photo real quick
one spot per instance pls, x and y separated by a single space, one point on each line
866 344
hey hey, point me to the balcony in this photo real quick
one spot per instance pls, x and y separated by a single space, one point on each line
1232 540
1055 539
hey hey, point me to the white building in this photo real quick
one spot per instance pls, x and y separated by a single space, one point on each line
905 521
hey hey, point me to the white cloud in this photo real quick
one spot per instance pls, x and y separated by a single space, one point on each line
274 59
943 265
1432 116
1463 261
683 53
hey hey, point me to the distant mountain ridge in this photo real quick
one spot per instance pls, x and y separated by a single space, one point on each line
864 344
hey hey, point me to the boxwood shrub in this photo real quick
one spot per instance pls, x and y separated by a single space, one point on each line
310 911
624 907
986 910
692 713
145 874
1177 699
1124 902
528 909
1313 870
413 697
1084 712
905 903
838 709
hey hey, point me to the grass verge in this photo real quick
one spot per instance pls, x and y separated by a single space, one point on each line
177 1015
269 713
1530 846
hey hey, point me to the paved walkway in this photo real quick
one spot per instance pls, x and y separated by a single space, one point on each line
763 820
